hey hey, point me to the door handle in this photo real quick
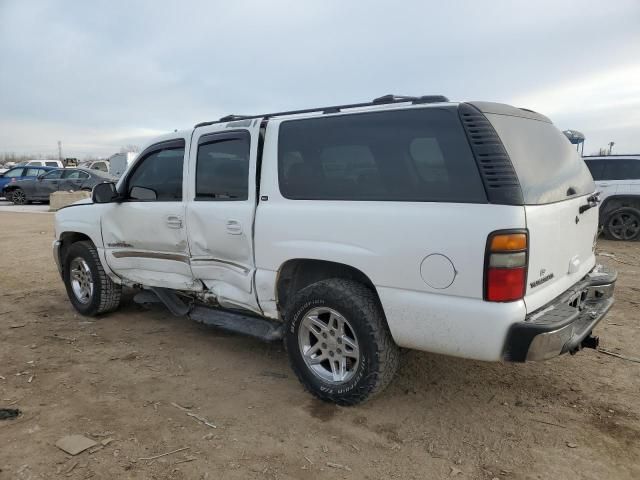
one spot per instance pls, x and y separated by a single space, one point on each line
174 221
234 227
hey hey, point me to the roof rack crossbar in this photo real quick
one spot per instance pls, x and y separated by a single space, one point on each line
384 100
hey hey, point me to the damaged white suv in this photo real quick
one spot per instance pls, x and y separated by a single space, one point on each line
350 231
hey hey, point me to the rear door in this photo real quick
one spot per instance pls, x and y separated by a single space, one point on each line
72 180
602 172
221 208
555 183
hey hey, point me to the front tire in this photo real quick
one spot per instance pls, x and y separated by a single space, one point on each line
338 341
89 288
623 224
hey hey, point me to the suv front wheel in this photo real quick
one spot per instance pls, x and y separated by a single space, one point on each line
338 341
89 288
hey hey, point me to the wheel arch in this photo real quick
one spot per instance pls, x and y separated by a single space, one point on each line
298 273
614 202
69 238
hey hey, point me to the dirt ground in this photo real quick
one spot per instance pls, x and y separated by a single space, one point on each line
119 377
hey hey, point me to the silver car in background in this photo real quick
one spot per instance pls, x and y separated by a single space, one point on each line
62 179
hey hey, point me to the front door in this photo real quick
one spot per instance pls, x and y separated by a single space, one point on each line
46 185
220 217
144 235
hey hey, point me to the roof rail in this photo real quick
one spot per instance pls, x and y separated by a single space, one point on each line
614 155
384 100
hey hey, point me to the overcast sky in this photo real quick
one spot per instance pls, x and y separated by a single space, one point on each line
101 74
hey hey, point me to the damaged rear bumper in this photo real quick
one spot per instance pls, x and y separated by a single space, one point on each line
565 324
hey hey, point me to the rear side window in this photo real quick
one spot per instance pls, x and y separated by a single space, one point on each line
161 171
596 167
54 175
547 165
222 168
75 175
51 164
621 169
418 155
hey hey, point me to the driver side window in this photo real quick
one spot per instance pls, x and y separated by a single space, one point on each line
160 172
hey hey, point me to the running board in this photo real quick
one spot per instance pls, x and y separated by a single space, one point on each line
165 296
253 326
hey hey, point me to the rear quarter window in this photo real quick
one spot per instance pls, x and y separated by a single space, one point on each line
547 165
419 155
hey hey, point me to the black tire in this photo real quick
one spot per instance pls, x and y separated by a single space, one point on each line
623 224
105 296
378 357
18 197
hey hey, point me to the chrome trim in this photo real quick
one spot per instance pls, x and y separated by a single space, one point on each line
195 261
551 344
159 256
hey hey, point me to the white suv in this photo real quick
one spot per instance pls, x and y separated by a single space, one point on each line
349 231
618 179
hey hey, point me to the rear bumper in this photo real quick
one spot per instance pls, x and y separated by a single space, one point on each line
562 325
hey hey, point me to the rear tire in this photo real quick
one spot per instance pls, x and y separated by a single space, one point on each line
623 224
89 288
338 341
18 197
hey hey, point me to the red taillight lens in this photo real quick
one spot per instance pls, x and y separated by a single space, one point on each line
505 273
505 284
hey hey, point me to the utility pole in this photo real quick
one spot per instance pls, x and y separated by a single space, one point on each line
59 150
611 144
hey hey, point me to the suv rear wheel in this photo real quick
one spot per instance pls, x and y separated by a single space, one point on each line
89 288
338 341
623 224
18 197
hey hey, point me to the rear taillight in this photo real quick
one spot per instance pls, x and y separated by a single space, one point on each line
505 271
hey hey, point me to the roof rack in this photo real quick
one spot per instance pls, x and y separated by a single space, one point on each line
614 155
384 100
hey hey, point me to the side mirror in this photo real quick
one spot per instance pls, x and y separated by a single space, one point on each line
142 193
41 176
104 192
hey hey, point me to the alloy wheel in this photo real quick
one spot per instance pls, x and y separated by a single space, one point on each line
81 280
18 197
329 345
624 225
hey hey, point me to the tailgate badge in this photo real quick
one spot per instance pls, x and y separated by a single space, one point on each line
541 280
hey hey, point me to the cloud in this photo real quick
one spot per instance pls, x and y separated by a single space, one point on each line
96 72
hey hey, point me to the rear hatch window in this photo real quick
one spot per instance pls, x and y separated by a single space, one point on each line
549 168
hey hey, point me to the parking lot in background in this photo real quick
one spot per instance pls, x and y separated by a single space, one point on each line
35 208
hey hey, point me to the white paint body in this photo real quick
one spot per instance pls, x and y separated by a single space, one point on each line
234 251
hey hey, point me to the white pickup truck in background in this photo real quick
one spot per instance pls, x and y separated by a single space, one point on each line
350 231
